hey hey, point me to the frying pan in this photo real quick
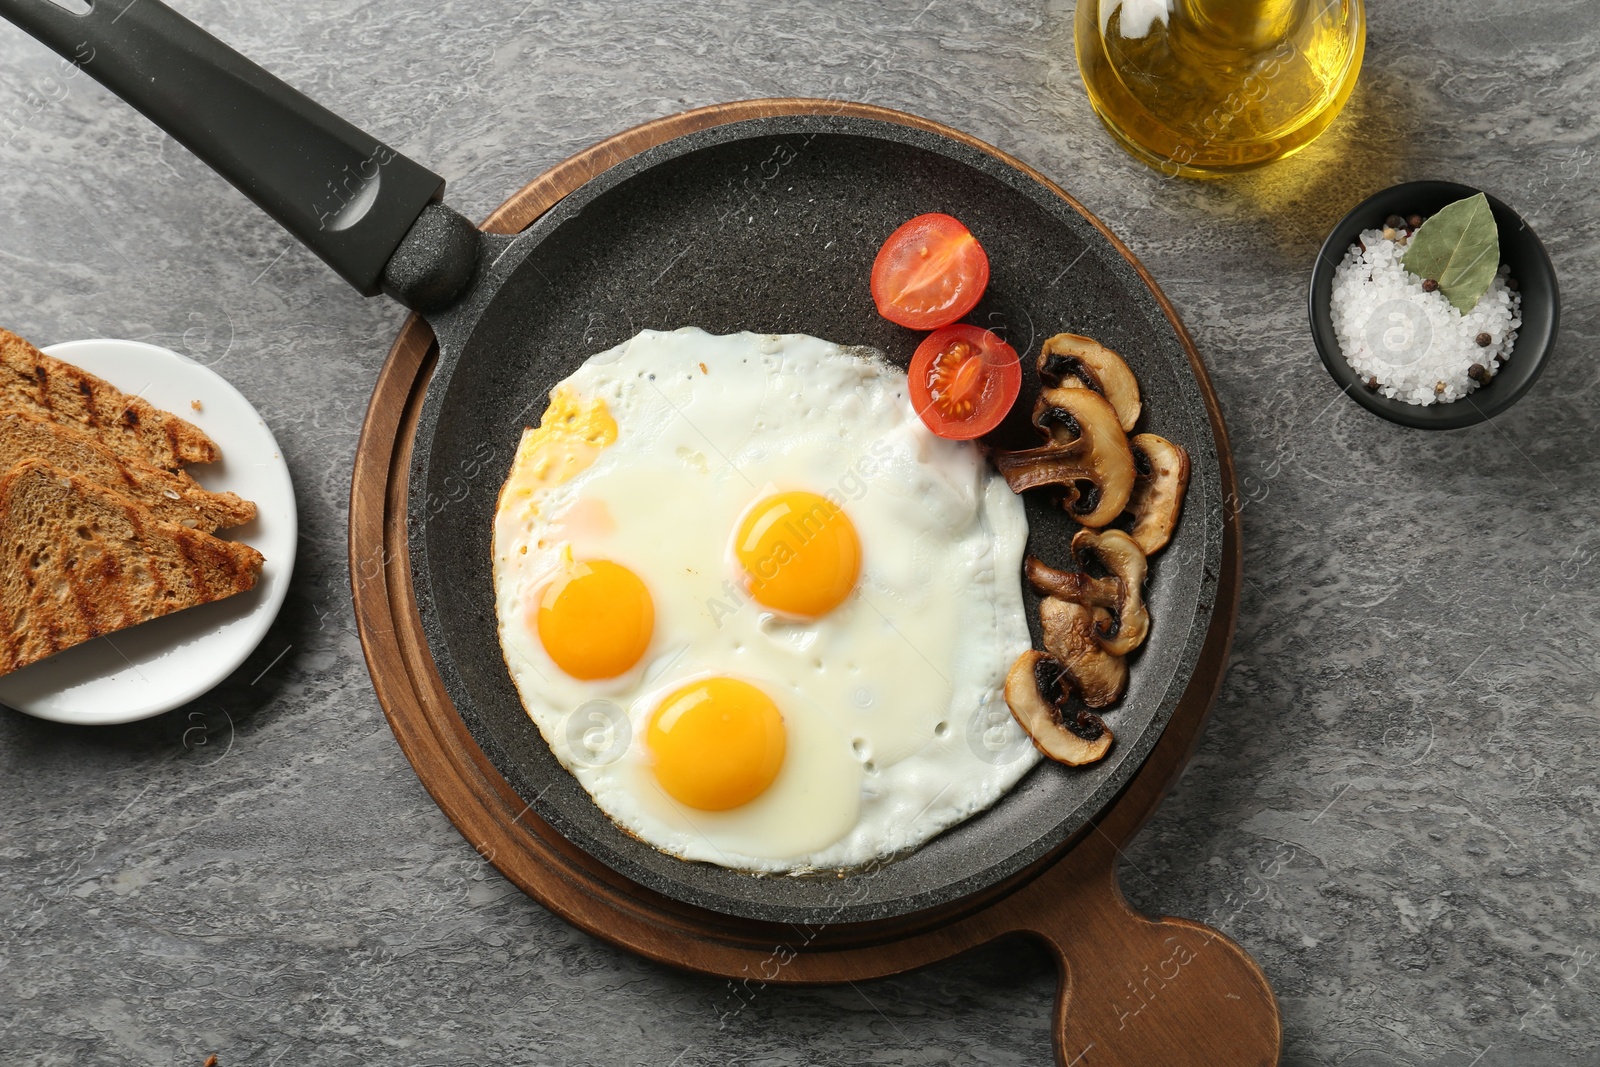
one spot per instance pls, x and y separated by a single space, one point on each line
767 225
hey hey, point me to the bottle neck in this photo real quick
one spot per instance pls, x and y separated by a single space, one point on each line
1248 25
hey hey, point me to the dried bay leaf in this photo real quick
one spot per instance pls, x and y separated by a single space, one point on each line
1458 247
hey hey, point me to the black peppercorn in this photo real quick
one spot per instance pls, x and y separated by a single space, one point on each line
1484 340
1414 221
1371 384
1478 373
1395 222
1511 283
1429 285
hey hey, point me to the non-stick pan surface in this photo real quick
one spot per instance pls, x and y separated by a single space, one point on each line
771 226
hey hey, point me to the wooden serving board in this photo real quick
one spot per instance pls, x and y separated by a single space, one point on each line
1135 991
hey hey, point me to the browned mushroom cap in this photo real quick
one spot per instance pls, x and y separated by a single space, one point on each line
1075 740
1087 455
1073 361
1157 498
1070 638
1111 581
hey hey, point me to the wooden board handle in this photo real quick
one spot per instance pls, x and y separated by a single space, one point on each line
1137 991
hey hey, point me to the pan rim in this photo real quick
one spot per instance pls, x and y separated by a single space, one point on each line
457 327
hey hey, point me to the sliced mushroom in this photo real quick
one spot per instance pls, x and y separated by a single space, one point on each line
1118 554
1080 362
1070 638
1075 740
1087 455
1162 478
1111 580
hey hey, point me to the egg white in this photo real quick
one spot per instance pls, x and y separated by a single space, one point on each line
895 724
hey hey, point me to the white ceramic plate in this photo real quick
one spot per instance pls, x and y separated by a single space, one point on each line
166 662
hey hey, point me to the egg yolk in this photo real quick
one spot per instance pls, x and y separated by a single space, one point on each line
572 434
596 619
800 553
717 743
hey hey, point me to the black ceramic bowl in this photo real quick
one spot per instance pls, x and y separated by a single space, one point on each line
1530 266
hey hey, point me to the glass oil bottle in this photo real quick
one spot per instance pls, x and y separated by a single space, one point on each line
1201 88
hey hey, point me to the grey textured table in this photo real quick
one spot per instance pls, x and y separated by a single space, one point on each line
1394 808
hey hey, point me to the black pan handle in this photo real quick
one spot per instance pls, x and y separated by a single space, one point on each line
345 195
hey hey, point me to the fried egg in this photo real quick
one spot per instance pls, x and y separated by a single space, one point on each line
756 608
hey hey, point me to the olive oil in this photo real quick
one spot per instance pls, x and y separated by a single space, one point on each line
1205 87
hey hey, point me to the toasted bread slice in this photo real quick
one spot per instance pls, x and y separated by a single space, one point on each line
129 426
171 497
78 560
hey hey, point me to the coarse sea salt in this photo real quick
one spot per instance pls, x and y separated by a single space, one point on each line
1415 343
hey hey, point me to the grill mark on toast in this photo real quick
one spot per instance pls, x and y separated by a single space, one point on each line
158 581
197 574
114 589
52 637
230 565
84 599
110 567
110 587
87 392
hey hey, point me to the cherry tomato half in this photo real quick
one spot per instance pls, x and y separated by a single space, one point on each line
963 381
929 273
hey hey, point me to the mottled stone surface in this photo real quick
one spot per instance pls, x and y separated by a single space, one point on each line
1394 807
